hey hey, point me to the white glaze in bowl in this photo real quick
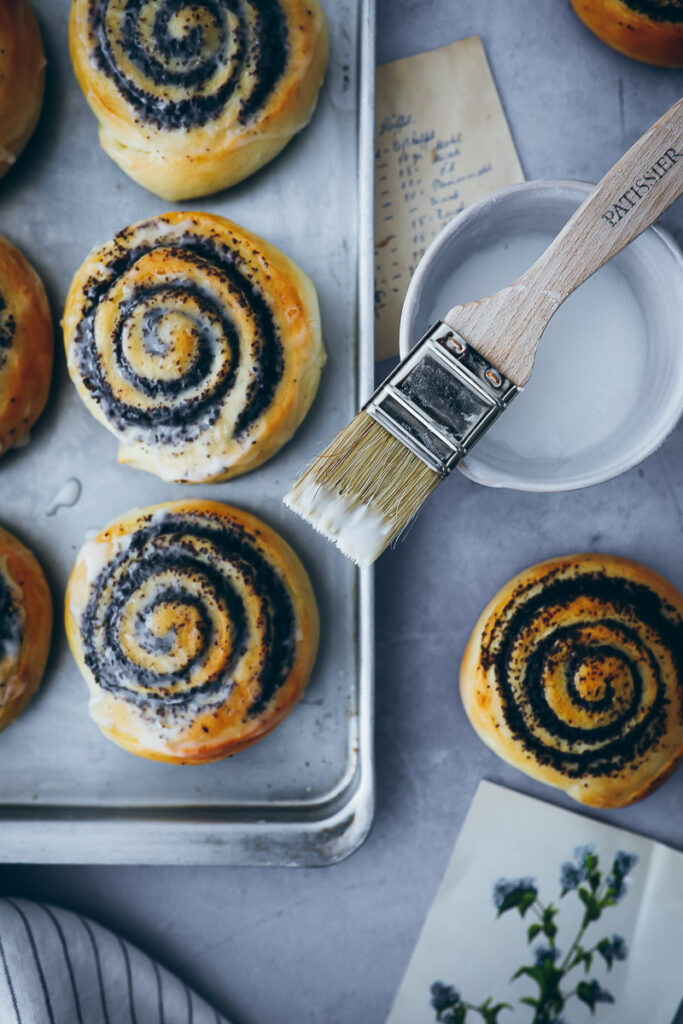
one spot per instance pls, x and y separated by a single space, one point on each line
652 267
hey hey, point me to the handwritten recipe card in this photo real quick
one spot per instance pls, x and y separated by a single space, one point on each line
441 141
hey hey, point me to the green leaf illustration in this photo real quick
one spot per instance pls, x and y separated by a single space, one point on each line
490 1013
521 896
590 863
591 993
549 926
533 931
532 972
591 904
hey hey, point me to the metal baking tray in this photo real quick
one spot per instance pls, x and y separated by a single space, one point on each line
304 795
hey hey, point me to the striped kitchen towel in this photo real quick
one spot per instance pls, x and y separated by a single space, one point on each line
57 967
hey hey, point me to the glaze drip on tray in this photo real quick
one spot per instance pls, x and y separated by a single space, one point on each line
181 604
180 63
579 664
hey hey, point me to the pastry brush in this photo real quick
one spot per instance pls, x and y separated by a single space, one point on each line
365 487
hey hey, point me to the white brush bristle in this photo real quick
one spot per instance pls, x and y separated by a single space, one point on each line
363 490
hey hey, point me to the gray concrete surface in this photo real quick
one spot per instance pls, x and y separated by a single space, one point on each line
329 946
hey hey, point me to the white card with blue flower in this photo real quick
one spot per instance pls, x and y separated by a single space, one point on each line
547 917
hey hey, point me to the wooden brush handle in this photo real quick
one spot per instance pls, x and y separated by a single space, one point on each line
506 327
631 196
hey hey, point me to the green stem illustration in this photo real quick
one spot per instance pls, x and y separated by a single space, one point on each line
597 893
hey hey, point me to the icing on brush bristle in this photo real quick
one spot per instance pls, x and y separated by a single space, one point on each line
363 490
464 372
368 484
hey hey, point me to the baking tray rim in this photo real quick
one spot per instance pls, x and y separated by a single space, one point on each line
323 833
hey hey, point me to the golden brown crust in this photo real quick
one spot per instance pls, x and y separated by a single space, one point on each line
196 159
574 674
25 626
225 323
22 78
26 346
635 32
212 643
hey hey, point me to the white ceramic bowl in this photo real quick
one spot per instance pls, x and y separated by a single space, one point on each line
653 268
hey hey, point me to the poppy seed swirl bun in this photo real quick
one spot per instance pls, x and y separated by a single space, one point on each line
647 30
22 78
195 95
574 674
26 346
196 343
25 626
195 627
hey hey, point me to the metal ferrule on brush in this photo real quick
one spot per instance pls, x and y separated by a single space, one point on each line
441 399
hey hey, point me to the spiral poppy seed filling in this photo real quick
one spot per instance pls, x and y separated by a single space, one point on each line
8 327
579 656
182 564
604 668
200 365
658 10
191 55
190 397
10 621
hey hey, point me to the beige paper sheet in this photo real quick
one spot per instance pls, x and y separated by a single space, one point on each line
441 141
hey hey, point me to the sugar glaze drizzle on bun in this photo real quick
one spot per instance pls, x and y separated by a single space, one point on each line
195 627
194 96
196 343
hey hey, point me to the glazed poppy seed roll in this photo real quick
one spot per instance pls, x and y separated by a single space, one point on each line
26 346
196 343
194 95
574 674
195 627
22 78
648 30
25 626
